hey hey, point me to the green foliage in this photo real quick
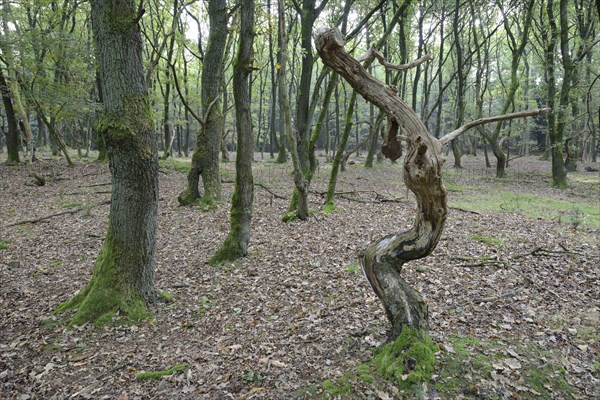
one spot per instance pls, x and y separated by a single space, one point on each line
4 244
207 204
252 376
154 375
205 305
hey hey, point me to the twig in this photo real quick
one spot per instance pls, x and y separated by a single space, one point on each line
534 283
540 251
100 184
463 210
504 295
69 211
482 264
277 196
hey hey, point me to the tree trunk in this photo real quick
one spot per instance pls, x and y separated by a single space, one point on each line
205 160
301 188
236 243
12 135
335 167
382 261
559 172
123 279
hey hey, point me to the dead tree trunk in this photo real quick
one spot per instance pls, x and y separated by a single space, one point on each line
382 261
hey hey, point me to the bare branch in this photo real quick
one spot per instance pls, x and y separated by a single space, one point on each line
373 53
522 114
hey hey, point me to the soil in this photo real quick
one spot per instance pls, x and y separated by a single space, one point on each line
297 311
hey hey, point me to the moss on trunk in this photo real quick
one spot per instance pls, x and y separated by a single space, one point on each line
108 293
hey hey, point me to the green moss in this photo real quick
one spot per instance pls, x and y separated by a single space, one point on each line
487 240
336 388
135 122
187 198
106 294
4 244
229 251
166 296
353 269
408 360
154 375
207 203
289 216
329 207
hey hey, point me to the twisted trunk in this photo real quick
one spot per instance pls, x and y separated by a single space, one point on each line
383 260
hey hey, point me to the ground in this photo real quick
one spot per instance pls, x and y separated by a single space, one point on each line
512 289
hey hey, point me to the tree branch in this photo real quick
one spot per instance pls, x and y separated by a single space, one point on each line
373 53
454 134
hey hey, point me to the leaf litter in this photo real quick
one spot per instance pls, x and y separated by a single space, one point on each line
295 312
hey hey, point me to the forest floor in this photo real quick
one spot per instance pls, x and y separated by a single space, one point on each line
512 289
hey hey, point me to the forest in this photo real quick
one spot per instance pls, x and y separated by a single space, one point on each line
299 199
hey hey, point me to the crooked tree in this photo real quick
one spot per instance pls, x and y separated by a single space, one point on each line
123 278
382 261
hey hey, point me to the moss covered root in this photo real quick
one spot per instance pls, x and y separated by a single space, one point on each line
106 295
409 360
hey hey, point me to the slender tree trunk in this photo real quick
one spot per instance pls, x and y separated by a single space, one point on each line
559 172
301 192
236 243
123 279
205 159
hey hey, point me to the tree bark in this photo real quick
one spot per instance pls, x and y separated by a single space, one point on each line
123 279
301 193
382 261
12 135
205 159
236 243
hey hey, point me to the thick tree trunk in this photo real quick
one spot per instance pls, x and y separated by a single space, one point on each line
205 160
123 279
236 243
382 261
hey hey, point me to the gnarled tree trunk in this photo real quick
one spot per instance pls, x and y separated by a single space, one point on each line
382 261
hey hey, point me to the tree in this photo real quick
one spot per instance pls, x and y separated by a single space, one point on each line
205 160
549 39
12 134
516 53
123 278
236 243
382 260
